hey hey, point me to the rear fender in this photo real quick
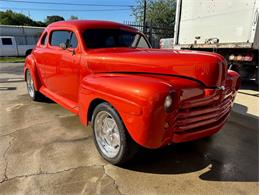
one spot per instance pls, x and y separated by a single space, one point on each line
31 66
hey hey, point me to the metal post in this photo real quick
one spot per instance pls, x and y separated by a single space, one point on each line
177 22
144 18
150 33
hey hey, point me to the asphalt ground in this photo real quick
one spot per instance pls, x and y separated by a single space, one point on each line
45 150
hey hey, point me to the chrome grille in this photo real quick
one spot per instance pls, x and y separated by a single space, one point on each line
196 115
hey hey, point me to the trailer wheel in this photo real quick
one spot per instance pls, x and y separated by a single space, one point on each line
257 76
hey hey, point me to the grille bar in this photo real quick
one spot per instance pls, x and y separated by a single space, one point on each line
207 109
208 119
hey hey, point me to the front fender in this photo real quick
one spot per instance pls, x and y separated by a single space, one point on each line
138 100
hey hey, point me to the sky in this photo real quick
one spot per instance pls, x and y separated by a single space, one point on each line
116 10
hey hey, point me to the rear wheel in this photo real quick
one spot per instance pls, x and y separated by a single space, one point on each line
110 135
34 95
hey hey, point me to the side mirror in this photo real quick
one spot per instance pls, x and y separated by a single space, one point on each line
63 46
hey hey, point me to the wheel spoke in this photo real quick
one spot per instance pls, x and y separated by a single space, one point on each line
116 139
113 125
105 126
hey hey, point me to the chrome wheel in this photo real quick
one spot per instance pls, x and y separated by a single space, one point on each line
30 84
107 134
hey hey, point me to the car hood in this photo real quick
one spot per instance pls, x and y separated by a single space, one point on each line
207 68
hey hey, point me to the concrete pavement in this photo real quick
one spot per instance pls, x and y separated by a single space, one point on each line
45 150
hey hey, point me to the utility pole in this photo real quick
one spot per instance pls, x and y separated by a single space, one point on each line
144 18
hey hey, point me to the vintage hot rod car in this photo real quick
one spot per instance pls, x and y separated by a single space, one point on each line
131 94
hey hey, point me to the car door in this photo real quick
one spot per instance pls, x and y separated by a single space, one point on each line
64 64
69 69
40 56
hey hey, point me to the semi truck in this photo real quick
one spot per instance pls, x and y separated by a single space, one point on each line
230 28
18 40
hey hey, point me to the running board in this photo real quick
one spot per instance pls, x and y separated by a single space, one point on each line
64 102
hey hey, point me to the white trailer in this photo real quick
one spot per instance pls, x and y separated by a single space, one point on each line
18 40
228 27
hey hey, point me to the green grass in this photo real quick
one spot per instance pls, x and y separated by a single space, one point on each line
12 59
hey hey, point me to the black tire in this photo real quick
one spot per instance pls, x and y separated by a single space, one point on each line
34 95
257 76
128 148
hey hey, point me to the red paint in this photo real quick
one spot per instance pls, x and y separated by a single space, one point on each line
136 81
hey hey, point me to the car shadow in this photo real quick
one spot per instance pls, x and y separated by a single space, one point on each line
44 99
230 155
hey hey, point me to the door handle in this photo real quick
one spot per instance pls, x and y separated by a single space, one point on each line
72 51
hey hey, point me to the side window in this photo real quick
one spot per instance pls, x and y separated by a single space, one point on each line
7 41
59 36
44 39
110 41
126 39
73 41
142 43
63 36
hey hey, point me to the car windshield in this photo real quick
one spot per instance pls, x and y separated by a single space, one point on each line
107 38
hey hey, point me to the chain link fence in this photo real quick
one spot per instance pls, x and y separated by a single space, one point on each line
153 32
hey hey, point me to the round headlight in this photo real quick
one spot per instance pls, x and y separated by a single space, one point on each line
168 103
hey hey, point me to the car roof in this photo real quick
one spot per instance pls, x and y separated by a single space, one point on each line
85 24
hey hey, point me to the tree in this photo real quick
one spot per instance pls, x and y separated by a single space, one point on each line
158 13
40 23
9 17
73 17
51 19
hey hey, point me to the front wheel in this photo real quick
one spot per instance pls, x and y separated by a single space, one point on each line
110 135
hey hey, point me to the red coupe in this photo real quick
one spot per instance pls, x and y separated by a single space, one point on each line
131 94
